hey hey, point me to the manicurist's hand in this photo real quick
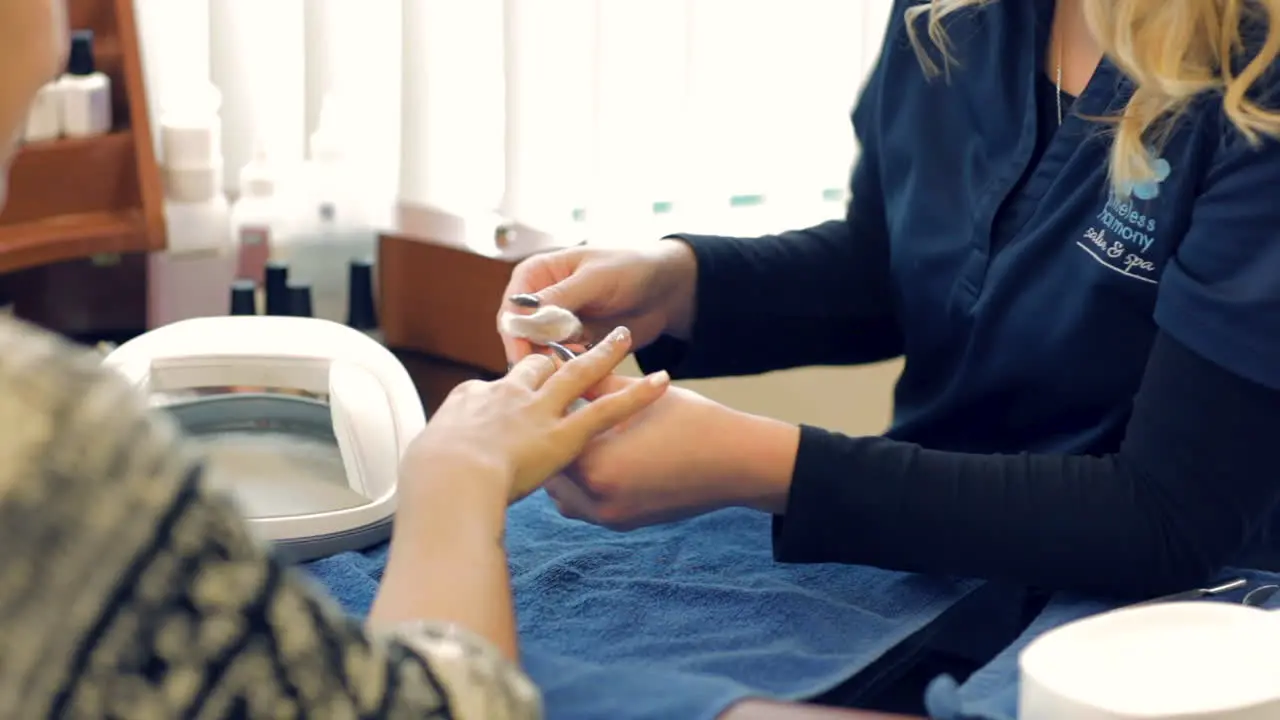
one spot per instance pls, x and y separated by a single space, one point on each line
649 290
682 456
514 433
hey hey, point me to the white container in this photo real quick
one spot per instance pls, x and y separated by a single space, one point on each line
333 224
192 184
190 129
44 120
257 217
191 278
1178 660
85 92
192 145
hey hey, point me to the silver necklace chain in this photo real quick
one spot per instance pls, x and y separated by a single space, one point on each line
1059 82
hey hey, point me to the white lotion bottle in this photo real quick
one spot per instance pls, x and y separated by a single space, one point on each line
44 119
86 93
190 278
334 227
257 218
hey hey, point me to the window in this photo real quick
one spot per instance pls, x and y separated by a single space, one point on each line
612 117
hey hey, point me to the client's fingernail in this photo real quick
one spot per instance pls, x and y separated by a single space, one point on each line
620 334
525 300
658 379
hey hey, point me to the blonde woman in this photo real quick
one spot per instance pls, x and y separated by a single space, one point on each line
127 591
1066 216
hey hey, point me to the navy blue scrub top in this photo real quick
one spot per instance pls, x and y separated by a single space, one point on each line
1044 296
1050 327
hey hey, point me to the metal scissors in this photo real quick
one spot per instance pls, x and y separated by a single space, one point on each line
1197 593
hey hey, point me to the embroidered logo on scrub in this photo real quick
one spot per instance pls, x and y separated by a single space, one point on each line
1121 238
1150 189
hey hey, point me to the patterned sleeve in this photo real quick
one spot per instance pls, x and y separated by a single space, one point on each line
127 591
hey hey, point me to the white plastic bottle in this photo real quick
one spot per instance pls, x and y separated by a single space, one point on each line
257 218
190 132
334 227
44 119
85 92
190 279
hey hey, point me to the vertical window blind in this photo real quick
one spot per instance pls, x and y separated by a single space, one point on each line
619 117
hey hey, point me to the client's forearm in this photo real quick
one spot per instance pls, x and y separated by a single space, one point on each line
447 562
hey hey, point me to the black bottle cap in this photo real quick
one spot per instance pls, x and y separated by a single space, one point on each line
299 300
276 285
243 297
80 58
362 309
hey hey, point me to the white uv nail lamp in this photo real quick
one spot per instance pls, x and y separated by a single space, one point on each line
304 421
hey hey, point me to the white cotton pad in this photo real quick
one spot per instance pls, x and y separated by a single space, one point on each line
547 324
1187 660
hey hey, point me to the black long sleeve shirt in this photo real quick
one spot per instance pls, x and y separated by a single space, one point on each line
1091 394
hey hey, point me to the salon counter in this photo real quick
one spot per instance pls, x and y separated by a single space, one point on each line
435 378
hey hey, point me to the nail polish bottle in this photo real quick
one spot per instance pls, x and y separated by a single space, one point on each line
86 93
300 300
243 297
362 310
276 288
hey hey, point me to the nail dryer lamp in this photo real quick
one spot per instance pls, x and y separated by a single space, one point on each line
312 477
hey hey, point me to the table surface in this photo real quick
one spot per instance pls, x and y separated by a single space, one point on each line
770 710
435 378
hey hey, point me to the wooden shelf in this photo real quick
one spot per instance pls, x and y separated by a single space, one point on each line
75 198
72 176
71 237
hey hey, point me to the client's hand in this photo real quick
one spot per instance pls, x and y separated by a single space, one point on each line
515 431
682 456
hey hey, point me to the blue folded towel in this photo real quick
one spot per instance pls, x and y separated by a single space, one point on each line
681 620
992 692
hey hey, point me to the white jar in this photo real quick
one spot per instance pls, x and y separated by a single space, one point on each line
192 184
190 128
44 120
85 92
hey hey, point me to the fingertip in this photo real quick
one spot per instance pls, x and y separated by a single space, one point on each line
613 349
619 337
652 387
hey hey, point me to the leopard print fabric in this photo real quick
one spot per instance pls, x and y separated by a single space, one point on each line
128 591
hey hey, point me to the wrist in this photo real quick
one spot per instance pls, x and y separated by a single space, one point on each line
454 498
680 269
762 461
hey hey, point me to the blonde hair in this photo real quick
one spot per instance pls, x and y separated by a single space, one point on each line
1175 50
